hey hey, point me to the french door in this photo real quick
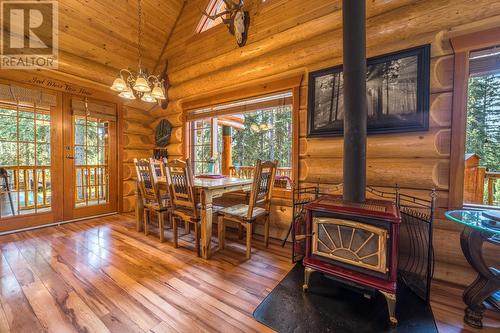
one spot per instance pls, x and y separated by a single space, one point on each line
89 158
31 188
58 157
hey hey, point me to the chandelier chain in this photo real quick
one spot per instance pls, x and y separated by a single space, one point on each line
139 35
132 85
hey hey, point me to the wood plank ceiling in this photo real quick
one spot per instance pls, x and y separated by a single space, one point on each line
99 37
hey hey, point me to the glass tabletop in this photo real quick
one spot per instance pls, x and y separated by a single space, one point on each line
476 219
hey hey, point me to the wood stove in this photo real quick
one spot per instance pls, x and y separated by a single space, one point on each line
350 238
357 243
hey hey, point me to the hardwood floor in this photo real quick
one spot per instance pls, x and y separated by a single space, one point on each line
102 276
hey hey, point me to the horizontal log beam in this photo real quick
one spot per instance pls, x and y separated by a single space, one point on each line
277 41
415 173
433 144
425 17
128 155
133 141
136 128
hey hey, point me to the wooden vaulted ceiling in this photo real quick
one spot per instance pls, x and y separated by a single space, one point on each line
99 37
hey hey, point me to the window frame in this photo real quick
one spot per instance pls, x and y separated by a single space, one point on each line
463 45
259 89
213 138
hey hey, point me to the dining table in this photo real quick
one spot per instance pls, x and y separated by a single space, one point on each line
209 189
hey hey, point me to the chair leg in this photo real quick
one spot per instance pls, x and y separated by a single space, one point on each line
168 221
187 227
197 238
221 231
161 225
146 222
174 226
249 239
266 231
240 231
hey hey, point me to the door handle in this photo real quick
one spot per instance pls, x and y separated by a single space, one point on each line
69 157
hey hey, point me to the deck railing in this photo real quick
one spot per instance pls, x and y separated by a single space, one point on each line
248 171
491 178
481 186
30 187
91 184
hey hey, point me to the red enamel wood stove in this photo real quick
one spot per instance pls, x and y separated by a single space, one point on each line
356 243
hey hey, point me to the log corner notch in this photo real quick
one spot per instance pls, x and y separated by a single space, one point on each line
355 103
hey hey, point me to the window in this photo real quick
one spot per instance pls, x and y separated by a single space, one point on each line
214 7
229 138
482 147
265 136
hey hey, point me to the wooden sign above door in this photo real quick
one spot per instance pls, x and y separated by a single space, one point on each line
57 82
59 85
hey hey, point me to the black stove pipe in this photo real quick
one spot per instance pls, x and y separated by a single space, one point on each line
355 103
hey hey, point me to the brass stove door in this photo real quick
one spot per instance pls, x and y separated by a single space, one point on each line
355 243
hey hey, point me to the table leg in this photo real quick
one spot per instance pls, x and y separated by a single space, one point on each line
206 222
139 210
487 281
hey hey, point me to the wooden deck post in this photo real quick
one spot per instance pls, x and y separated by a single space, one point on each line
227 154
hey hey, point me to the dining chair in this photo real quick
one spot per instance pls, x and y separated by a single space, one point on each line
158 176
156 166
258 206
184 204
152 200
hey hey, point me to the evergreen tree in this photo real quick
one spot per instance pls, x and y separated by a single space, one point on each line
483 124
483 120
267 136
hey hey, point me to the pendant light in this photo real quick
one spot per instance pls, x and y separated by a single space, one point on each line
140 85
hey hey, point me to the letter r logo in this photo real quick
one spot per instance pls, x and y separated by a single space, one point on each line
29 27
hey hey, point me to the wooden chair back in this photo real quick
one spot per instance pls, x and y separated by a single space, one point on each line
145 180
262 187
180 183
156 167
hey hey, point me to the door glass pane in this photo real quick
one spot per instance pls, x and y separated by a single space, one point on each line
91 164
25 161
202 140
26 153
43 130
26 129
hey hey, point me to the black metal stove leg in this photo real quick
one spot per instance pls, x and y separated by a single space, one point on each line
391 306
307 275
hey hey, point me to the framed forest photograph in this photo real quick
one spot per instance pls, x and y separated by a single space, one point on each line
397 91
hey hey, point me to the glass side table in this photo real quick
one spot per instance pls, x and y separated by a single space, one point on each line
480 227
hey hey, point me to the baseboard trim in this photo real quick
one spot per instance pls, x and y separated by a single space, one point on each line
55 224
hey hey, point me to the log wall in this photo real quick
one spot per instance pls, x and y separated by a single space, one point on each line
296 36
137 142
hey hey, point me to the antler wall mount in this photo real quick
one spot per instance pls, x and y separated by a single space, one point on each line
235 18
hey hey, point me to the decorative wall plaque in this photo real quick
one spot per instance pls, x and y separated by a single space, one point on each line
162 133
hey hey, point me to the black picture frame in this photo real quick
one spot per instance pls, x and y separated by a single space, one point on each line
406 77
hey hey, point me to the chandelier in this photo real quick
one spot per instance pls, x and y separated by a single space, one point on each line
140 85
